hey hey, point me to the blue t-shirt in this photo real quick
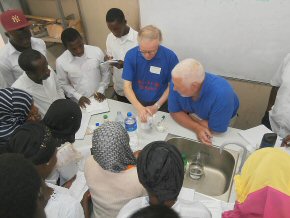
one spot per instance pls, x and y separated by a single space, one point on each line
149 78
217 102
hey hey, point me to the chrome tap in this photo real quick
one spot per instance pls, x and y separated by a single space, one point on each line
240 145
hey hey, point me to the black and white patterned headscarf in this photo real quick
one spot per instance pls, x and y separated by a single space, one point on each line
15 106
111 147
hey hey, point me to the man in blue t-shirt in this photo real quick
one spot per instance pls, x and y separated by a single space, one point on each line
200 101
147 73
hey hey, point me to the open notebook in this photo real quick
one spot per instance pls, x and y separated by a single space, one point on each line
97 107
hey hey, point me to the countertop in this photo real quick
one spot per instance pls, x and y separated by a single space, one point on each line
145 137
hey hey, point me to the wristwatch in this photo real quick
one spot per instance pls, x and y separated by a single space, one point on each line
157 105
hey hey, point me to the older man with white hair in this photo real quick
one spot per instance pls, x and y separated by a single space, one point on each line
147 73
200 101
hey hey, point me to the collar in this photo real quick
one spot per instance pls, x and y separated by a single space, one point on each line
86 54
129 36
11 48
204 85
175 207
29 82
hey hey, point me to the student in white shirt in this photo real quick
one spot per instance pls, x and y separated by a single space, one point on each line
161 172
19 36
121 39
39 80
79 69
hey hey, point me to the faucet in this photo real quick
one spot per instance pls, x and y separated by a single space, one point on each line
240 145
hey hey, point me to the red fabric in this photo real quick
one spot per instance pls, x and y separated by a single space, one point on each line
13 20
266 202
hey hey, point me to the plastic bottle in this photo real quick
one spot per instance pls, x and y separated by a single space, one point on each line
120 118
131 127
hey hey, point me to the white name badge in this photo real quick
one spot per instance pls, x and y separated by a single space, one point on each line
155 70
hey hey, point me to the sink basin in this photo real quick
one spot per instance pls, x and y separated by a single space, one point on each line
218 170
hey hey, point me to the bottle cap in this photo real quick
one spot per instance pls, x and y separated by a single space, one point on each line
129 114
105 116
97 124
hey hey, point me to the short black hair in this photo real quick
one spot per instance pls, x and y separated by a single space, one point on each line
69 35
19 187
155 211
115 14
26 59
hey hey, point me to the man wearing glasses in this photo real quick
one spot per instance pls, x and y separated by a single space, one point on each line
147 73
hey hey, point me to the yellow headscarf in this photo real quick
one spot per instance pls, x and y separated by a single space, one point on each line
265 167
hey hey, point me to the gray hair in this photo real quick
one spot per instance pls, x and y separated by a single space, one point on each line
189 70
150 33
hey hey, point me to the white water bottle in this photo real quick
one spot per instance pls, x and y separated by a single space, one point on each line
131 127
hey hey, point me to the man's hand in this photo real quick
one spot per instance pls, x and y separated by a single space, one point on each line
286 141
152 109
137 153
143 113
119 65
107 57
204 135
99 97
83 101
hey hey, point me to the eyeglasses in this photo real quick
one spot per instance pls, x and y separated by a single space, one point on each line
152 52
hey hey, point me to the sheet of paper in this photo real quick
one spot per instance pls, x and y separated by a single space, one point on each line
97 107
84 125
254 136
79 186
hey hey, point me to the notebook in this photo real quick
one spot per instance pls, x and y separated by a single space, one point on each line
97 107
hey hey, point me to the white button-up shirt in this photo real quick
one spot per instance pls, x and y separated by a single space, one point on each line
43 94
9 68
279 115
83 76
118 47
185 206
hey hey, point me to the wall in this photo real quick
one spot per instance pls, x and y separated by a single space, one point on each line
94 14
253 96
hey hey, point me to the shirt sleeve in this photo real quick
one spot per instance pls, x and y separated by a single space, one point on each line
105 73
6 75
129 66
57 85
222 112
277 78
108 47
64 82
3 83
173 62
173 103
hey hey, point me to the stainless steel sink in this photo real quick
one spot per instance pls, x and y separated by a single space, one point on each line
219 168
